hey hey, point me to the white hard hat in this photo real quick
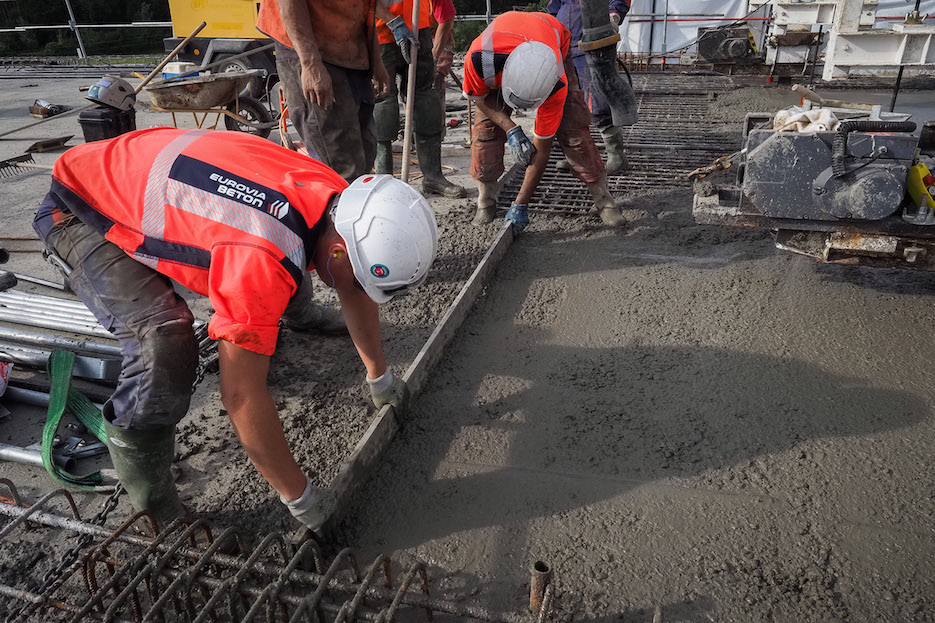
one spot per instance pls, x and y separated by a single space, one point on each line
530 74
390 234
113 91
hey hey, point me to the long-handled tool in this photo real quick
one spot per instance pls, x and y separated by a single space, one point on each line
146 80
808 94
12 167
410 98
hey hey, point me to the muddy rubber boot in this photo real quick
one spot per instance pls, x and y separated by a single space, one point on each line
486 203
384 161
613 145
429 151
142 460
604 203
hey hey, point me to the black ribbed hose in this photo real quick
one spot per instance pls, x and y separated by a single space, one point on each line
602 61
839 146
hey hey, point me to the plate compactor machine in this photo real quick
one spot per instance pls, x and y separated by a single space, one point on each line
863 193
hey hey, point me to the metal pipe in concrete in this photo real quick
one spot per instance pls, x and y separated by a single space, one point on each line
51 323
541 577
16 295
32 397
40 306
58 342
50 313
15 454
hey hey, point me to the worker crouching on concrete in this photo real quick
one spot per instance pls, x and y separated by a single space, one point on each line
239 220
397 45
521 60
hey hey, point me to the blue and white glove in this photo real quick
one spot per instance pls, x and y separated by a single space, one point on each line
521 147
518 215
404 37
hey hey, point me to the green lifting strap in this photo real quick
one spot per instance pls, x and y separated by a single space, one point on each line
62 396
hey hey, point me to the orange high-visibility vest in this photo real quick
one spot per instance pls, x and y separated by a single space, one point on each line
483 66
227 214
403 8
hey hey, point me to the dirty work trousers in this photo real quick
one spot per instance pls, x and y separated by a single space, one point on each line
573 135
427 115
153 324
342 136
600 110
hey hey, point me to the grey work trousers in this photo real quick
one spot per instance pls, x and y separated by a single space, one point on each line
153 324
342 136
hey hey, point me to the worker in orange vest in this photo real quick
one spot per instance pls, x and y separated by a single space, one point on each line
240 220
521 60
397 44
443 18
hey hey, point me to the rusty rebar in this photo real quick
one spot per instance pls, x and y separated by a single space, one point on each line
540 579
181 573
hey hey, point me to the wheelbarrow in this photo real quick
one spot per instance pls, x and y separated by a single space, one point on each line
218 94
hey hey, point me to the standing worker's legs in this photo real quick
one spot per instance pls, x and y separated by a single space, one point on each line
427 120
487 158
342 136
386 110
160 355
579 148
602 117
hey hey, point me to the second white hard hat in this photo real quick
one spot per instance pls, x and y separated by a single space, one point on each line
390 234
530 74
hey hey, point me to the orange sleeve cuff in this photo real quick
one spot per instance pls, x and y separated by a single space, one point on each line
257 339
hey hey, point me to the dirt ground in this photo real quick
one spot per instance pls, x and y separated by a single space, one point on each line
670 415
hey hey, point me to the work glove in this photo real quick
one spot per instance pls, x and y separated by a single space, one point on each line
313 507
518 215
389 390
521 147
615 20
404 37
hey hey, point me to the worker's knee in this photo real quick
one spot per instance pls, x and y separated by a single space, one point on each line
486 160
159 370
488 131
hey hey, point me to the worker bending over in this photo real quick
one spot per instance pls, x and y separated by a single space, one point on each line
397 45
240 220
521 60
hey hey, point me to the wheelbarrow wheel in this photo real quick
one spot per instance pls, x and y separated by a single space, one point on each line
251 110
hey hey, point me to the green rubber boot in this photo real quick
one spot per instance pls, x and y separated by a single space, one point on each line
613 145
429 151
142 459
384 160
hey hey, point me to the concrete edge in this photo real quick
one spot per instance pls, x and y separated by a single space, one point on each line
384 426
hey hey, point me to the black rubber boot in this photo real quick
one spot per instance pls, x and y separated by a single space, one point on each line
613 145
384 160
429 151
142 460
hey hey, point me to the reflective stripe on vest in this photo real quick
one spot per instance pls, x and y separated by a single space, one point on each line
172 182
558 36
486 58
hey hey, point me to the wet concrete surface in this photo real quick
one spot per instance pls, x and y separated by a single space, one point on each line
671 415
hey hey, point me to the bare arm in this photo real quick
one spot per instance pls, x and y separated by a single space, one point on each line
497 116
535 170
443 37
363 323
382 12
316 82
255 419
